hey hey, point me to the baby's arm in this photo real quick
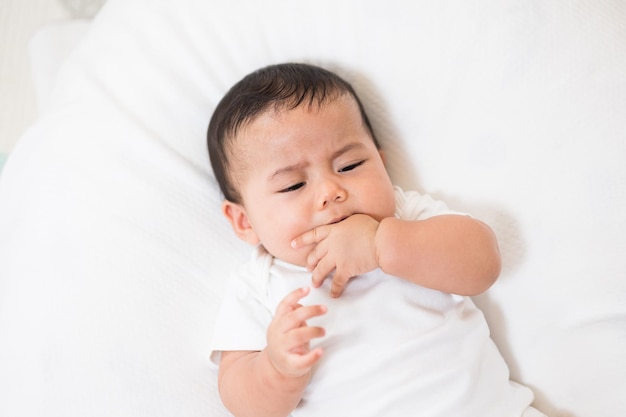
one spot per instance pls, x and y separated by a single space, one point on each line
451 253
271 382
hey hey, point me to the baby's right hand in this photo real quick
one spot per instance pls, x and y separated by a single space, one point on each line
289 336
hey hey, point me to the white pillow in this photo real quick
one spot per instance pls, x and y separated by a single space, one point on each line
114 254
48 49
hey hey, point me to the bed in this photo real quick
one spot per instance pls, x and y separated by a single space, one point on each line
114 255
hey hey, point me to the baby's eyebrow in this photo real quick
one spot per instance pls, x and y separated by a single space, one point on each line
286 170
347 148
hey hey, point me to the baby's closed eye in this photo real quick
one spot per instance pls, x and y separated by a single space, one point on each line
293 187
351 166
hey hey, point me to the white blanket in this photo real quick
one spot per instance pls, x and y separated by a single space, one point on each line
114 254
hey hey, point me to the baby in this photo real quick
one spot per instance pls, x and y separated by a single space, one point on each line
356 299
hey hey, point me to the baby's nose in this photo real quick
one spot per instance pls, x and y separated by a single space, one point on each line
332 192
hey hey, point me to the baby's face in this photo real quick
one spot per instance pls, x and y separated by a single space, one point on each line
302 168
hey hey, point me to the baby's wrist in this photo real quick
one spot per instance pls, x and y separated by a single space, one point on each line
380 239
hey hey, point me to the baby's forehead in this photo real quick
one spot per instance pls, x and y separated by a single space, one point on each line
337 114
275 110
276 117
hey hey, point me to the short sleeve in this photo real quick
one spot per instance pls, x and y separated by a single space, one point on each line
411 205
244 314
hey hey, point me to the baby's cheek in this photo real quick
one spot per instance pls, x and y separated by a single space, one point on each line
387 209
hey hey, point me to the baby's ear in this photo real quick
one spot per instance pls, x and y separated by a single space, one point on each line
238 218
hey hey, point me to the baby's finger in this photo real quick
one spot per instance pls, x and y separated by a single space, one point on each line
299 316
322 271
317 253
303 362
338 284
312 236
298 339
290 302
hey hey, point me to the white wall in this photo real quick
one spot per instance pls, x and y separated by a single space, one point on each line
19 19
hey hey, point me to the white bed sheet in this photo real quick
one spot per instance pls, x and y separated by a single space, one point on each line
113 254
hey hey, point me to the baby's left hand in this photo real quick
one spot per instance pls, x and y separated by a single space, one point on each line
347 247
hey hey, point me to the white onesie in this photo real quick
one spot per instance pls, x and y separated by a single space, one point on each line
392 348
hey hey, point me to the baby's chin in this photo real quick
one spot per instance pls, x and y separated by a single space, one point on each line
297 257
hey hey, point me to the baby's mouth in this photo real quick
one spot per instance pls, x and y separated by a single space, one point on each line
338 220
